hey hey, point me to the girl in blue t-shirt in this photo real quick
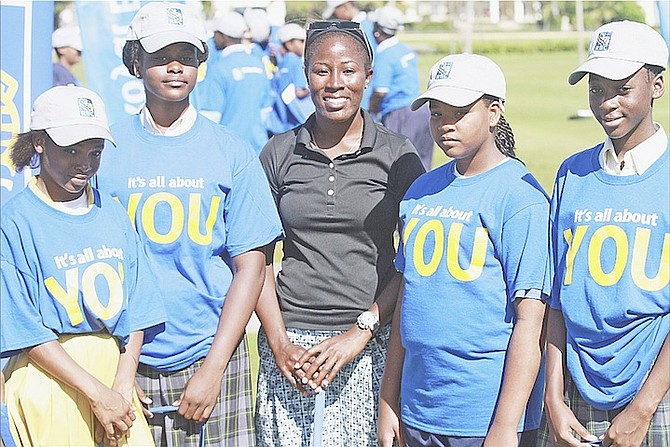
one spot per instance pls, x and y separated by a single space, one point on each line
466 342
77 291
198 197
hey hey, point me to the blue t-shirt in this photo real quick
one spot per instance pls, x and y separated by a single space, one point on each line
289 111
72 274
396 74
238 86
468 245
197 200
611 251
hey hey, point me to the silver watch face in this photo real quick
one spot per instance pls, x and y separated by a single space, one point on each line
367 320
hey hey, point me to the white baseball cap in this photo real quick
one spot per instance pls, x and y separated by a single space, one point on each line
331 5
291 31
461 79
388 18
619 49
67 36
70 114
159 24
231 24
258 22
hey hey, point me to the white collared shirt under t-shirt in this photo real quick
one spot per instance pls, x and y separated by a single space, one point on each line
637 160
180 126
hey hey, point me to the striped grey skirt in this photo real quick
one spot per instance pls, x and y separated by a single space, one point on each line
598 421
231 421
284 417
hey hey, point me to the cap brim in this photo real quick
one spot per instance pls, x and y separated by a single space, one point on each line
454 96
614 69
69 135
156 41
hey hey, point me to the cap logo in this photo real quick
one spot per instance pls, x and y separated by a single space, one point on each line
443 71
86 108
175 16
603 41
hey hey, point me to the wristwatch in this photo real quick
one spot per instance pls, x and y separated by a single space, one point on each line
368 321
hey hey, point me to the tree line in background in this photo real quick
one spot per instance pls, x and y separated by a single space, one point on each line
550 15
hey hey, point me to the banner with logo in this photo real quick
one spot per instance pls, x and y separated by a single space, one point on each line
25 73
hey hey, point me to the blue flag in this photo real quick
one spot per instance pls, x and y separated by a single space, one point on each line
25 67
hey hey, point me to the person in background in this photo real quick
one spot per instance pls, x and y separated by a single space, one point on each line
608 348
78 295
337 180
349 10
259 25
66 42
466 342
395 84
197 196
236 90
293 103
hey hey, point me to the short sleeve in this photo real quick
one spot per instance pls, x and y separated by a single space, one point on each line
383 77
406 168
250 212
525 258
20 317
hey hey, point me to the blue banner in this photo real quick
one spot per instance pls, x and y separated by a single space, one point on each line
664 18
103 28
25 72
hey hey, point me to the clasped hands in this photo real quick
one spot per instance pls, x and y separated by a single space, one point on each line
315 368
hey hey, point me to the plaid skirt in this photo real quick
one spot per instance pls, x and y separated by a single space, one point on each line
284 417
231 421
598 421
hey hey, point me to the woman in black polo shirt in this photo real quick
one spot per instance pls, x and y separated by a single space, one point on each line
337 181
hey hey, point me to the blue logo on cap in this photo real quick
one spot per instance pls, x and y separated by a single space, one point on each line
443 71
86 108
175 16
603 41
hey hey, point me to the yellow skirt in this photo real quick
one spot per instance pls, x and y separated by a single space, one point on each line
44 411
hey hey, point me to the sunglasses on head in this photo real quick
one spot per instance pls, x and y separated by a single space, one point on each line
350 27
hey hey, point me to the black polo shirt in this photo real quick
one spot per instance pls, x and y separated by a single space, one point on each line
339 217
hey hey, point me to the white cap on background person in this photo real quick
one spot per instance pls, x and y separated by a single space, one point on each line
461 79
331 5
67 36
159 24
70 114
258 22
618 50
231 24
388 18
291 31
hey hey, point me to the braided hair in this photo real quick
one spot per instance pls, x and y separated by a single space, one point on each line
503 135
